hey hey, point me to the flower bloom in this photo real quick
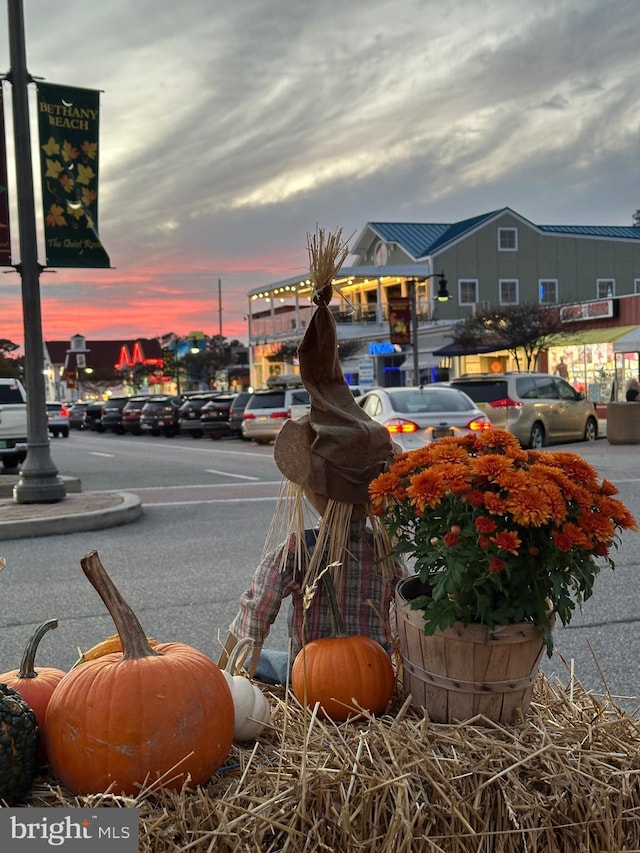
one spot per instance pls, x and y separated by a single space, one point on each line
507 540
484 524
497 565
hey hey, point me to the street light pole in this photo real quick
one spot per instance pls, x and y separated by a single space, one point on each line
39 481
441 296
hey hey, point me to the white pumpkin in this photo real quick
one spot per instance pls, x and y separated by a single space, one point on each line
251 706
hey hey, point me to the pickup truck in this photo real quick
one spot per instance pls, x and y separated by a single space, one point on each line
13 423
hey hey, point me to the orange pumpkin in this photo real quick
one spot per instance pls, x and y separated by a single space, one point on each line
342 673
147 717
35 684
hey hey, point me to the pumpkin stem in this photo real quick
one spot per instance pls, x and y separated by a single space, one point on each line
27 668
336 616
132 636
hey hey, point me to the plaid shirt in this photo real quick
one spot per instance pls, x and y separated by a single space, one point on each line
359 582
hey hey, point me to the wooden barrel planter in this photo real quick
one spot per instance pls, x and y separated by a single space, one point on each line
466 670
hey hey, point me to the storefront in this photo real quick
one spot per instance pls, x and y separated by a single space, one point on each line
588 361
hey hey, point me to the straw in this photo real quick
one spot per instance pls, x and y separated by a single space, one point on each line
567 777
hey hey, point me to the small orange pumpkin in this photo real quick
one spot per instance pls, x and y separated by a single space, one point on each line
342 673
35 684
147 717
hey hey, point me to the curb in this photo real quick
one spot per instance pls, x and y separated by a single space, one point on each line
76 514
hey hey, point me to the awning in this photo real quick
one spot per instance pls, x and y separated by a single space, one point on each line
629 342
455 349
591 336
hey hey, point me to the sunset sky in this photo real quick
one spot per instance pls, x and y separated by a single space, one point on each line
229 129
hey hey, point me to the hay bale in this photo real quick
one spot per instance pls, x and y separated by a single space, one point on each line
565 778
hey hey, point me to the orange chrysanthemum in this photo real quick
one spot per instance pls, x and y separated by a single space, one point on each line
517 531
507 540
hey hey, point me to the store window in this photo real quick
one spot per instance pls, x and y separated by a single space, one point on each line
605 288
548 291
507 239
636 285
508 288
467 291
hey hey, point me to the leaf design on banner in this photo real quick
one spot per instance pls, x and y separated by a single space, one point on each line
55 216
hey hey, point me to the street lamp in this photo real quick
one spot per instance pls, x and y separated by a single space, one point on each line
441 296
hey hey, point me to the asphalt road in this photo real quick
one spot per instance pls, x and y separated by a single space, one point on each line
207 507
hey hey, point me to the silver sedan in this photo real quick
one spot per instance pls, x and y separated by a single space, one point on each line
417 416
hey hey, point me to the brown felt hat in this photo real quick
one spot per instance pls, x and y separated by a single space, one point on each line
337 449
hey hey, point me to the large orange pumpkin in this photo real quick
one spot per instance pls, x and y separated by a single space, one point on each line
160 717
35 684
342 673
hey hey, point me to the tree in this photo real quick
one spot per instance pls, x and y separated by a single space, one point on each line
526 328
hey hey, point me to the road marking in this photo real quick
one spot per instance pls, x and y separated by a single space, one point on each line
208 501
226 474
96 453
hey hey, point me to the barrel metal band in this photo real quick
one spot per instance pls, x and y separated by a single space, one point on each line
510 686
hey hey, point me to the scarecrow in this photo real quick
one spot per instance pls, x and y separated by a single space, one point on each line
328 458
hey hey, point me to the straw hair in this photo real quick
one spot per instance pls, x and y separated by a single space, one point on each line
327 253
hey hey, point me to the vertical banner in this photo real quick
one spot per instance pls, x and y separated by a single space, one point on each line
400 320
5 235
68 124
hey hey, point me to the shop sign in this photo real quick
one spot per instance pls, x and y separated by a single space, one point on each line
587 311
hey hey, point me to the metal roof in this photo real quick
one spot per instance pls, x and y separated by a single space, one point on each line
422 239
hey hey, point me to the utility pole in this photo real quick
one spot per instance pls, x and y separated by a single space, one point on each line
220 306
39 481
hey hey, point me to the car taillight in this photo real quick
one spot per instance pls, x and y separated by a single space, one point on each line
64 411
280 414
505 403
398 426
479 424
248 416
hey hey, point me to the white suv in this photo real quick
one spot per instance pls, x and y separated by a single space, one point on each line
266 412
13 422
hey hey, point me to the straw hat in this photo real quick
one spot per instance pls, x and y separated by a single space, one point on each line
337 449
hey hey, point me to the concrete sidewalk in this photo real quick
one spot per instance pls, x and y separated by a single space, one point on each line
78 512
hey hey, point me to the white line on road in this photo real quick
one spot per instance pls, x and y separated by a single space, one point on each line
226 474
95 453
209 501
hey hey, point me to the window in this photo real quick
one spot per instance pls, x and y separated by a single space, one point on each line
605 288
636 285
548 291
467 291
507 239
508 291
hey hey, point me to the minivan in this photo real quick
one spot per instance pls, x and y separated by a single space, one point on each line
537 408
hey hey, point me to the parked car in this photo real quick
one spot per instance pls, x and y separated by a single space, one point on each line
93 416
266 412
13 423
76 415
236 413
159 415
418 416
58 419
189 413
111 417
537 408
131 413
214 416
